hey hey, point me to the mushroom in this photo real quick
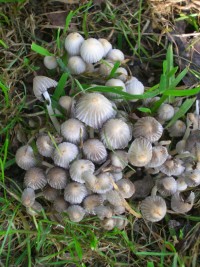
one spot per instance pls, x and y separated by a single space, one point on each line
172 167
165 112
103 183
57 178
134 87
73 43
126 188
35 209
115 83
45 145
91 202
75 193
76 213
106 67
177 129
78 167
76 65
181 203
119 159
103 212
60 205
67 103
107 46
50 193
40 86
50 62
115 55
28 197
108 224
92 50
94 150
166 186
25 157
192 178
35 178
159 156
122 74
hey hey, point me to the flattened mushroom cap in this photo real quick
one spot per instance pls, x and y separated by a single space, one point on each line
172 167
126 188
91 202
25 157
192 178
140 152
103 184
94 109
41 84
119 159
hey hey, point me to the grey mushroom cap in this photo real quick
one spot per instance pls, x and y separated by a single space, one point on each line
94 150
35 178
181 203
167 186
91 50
103 212
91 202
28 197
60 205
25 157
35 209
41 84
172 167
108 224
192 178
119 159
126 188
76 213
45 145
50 193
159 156
75 193
57 178
103 183
78 167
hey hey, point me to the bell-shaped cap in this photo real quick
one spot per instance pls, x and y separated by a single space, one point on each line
78 167
35 178
94 150
75 193
91 50
41 84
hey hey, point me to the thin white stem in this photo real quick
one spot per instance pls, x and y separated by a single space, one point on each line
51 112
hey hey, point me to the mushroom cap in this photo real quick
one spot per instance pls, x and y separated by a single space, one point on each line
140 152
25 157
107 46
91 202
181 203
192 178
149 128
64 154
73 131
172 167
114 198
115 134
73 43
165 112
115 55
103 212
35 209
122 74
103 183
108 224
76 213
167 186
94 150
60 205
181 184
117 176
78 167
76 65
75 193
106 67
134 87
57 178
89 179
153 208
126 188
66 103
177 129
94 109
45 145
35 178
50 193
92 50
118 210
114 96
119 159
121 222
41 84
159 156
181 146
192 142
28 197
50 62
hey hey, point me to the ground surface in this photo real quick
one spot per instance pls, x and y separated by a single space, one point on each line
143 31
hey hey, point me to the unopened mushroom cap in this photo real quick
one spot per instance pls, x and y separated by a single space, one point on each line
91 50
153 208
57 178
75 193
115 55
73 43
116 134
66 102
165 112
25 157
134 87
121 222
28 197
76 65
122 74
126 188
181 203
94 109
64 154
106 68
50 193
35 178
60 205
78 167
181 184
177 129
149 128
35 209
50 62
45 145
159 156
140 152
76 213
91 202
167 186
94 150
119 159
41 84
103 212
107 46
108 224
103 183
73 131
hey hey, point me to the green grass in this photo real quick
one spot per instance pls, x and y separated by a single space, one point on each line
47 240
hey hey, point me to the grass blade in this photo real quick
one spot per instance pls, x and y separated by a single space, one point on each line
40 50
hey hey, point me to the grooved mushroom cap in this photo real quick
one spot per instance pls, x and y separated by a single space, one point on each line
73 43
50 62
103 183
76 213
35 209
25 157
94 109
153 208
165 112
107 46
57 178
28 197
91 202
50 193
64 154
159 156
192 178
35 178
60 205
167 186
75 193
181 203
106 68
181 184
41 84
108 224
103 212
172 167
134 87
114 96
45 145
119 159
89 179
126 188
140 152
91 50
76 65
177 129
122 74
115 134
66 103
73 131
118 210
121 222
94 150
149 128
115 55
114 198
78 167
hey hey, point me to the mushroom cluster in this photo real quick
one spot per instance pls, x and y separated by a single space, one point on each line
87 171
